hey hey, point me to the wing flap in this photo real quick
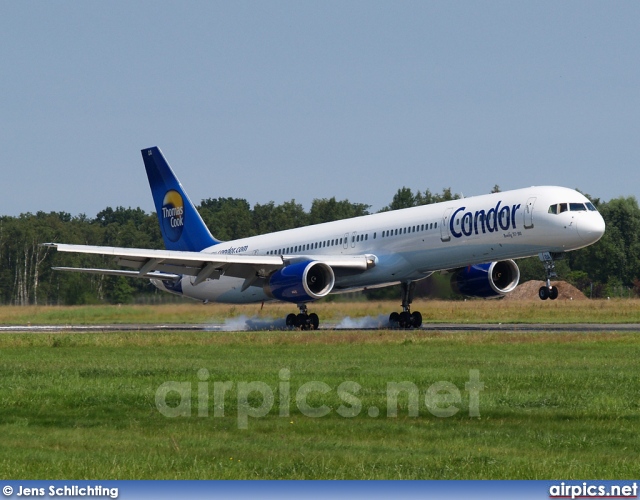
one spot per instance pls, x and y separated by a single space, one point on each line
121 272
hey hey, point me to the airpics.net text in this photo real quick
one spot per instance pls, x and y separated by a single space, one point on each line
256 399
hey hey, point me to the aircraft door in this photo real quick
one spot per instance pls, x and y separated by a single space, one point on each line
445 235
528 213
345 245
353 239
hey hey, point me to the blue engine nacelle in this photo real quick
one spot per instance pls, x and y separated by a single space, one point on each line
491 279
301 282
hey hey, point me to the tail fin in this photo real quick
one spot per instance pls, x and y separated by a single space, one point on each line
181 225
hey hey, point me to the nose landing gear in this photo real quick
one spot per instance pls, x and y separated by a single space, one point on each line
548 291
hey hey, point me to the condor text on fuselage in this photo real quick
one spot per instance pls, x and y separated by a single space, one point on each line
488 221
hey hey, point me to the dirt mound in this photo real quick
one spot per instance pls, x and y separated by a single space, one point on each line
529 291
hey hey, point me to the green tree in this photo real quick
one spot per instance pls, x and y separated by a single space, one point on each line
446 195
120 291
616 257
269 217
227 218
404 198
327 210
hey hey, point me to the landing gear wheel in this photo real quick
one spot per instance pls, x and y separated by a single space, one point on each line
543 293
302 321
548 259
405 319
416 319
291 320
314 321
394 319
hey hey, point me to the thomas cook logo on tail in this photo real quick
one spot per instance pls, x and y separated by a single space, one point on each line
173 215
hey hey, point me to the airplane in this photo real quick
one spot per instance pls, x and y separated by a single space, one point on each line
475 239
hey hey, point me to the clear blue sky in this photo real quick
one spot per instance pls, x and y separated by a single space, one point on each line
271 101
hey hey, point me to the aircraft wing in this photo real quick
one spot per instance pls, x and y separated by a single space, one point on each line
171 264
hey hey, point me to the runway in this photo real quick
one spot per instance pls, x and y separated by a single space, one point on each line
447 327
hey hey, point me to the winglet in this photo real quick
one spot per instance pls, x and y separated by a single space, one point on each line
181 225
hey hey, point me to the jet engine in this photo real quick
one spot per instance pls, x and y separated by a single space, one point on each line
491 279
301 282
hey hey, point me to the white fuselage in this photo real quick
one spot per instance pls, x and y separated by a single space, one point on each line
412 243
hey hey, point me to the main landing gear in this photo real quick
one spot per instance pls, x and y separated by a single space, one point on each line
406 318
548 291
303 320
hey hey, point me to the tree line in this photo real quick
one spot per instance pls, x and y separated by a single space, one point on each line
609 268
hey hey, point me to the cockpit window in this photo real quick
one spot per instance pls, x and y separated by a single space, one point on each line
573 207
591 207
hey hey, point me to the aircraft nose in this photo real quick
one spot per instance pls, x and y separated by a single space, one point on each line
591 227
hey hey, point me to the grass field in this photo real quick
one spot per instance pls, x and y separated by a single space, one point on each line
472 311
553 405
